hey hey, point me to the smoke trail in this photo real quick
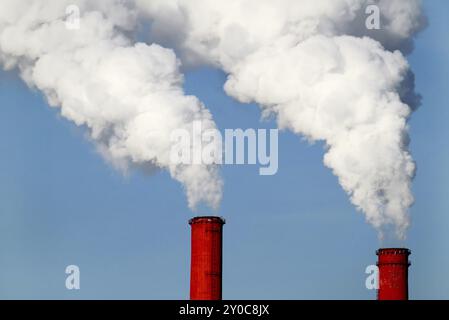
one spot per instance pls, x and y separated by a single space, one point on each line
323 74
312 64
128 95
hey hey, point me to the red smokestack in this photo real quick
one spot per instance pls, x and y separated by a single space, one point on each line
393 273
206 259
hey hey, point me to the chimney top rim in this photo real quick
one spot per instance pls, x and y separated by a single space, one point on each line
384 251
200 219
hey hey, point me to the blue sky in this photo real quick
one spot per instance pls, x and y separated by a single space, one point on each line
293 235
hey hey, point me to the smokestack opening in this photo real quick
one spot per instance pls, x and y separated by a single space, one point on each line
393 266
206 258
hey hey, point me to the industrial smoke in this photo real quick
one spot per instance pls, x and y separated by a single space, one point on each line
127 94
313 65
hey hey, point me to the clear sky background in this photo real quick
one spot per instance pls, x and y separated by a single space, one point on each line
294 235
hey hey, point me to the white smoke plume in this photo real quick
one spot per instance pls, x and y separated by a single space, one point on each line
312 64
324 75
129 95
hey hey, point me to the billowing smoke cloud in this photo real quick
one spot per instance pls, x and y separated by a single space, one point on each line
128 95
324 75
312 64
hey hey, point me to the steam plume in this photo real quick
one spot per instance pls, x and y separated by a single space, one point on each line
129 95
312 64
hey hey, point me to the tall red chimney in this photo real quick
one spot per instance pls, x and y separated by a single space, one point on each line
206 258
393 273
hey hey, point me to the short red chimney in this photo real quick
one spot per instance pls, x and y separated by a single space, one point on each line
393 273
206 258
